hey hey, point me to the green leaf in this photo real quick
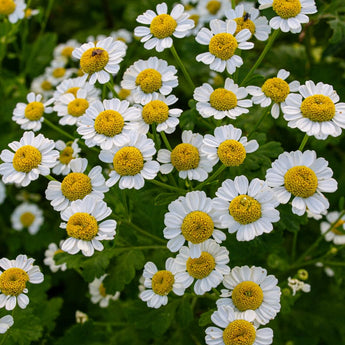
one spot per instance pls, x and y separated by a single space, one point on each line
185 312
205 318
338 27
165 198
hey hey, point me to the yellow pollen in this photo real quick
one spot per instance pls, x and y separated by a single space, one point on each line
76 186
28 12
223 45
244 24
223 99
318 108
301 181
80 72
162 282
213 6
185 157
82 226
34 111
245 209
231 153
287 8
7 7
239 332
46 85
276 88
109 123
27 218
197 227
128 161
337 225
247 296
67 52
124 93
195 18
155 111
73 91
77 107
66 155
26 158
149 80
13 281
102 291
59 72
163 26
202 266
94 60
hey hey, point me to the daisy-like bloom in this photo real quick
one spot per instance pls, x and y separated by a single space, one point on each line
160 283
105 123
208 269
67 152
148 77
303 176
246 208
28 216
132 161
163 26
318 114
122 35
290 13
99 294
228 146
236 329
222 44
14 276
30 116
29 12
64 51
76 185
124 94
49 254
32 156
2 192
211 9
43 85
85 226
14 9
298 285
274 90
57 72
5 323
99 60
191 218
224 101
336 234
252 289
187 158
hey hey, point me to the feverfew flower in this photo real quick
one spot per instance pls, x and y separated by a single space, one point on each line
99 294
28 216
67 152
63 51
14 9
57 72
43 86
5 323
122 35
298 285
333 233
211 9
49 254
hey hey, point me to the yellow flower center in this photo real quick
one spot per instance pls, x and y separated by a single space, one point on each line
26 158
73 91
301 181
197 227
245 209
109 123
213 6
247 296
77 107
318 108
28 13
27 218
231 153
223 99
102 291
239 332
163 26
34 111
202 266
185 157
76 186
195 18
46 85
337 225
155 111
223 45
67 52
7 7
162 282
243 23
82 226
66 155
59 72
128 161
149 80
287 8
124 93
276 88
94 60
13 281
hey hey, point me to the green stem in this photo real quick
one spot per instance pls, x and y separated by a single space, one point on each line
125 204
212 177
294 245
166 186
155 138
304 141
334 263
110 86
165 140
58 129
262 118
142 247
50 178
144 232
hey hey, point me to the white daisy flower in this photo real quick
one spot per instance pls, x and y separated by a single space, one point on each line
105 123
67 152
228 146
236 329
208 269
273 90
32 156
148 77
212 9
76 185
28 216
319 113
100 60
14 9
2 192
334 234
132 161
297 285
290 13
252 289
99 294
13 280
303 176
224 101
160 283
124 94
163 26
187 158
191 218
29 12
49 254
64 50
222 43
85 226
43 85
246 208
122 35
57 72
5 323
